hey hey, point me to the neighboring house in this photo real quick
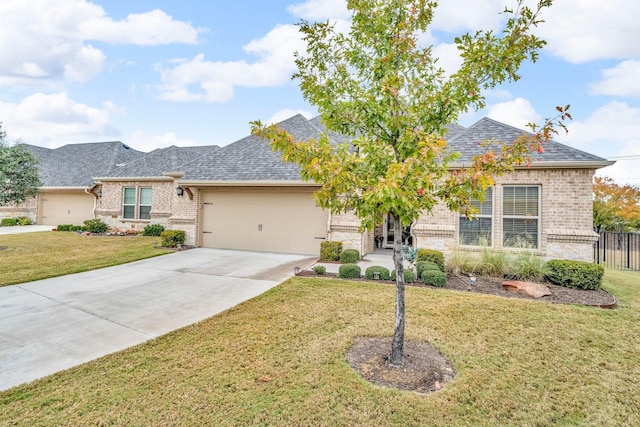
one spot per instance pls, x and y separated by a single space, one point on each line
243 196
68 194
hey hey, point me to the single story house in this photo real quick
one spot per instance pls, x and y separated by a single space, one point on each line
243 196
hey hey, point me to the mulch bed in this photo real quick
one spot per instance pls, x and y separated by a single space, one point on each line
493 286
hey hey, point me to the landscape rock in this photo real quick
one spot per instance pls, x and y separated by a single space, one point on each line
535 290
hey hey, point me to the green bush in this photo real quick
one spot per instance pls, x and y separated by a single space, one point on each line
172 238
153 230
425 265
409 276
349 256
369 273
23 220
434 278
330 251
319 269
64 227
349 271
95 226
575 274
9 222
434 256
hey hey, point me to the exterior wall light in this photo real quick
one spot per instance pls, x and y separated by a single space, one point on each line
180 190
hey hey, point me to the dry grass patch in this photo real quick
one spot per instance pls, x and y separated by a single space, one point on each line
35 256
280 359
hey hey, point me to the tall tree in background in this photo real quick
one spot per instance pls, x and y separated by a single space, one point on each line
378 84
615 207
18 172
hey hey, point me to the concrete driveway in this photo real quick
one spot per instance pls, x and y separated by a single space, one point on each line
54 324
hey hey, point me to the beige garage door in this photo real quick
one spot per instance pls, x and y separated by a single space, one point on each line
65 208
263 220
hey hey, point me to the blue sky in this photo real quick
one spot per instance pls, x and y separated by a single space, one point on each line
159 73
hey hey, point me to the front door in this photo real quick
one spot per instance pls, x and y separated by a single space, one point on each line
388 233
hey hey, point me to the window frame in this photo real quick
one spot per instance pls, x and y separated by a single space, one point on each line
489 197
137 204
537 217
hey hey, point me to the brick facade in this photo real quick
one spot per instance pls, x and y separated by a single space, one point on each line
167 208
565 222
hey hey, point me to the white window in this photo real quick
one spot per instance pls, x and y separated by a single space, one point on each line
136 203
520 216
477 231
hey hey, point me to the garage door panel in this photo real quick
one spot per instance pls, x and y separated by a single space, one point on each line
66 208
274 221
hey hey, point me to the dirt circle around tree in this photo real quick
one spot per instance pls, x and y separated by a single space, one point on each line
424 370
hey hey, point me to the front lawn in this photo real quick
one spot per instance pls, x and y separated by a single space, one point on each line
279 359
34 256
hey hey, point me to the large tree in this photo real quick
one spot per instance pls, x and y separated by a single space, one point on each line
379 84
18 172
615 207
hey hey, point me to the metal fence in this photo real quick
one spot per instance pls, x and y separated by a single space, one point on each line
618 250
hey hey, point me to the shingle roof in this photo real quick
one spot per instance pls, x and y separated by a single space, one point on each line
75 165
251 158
162 160
467 142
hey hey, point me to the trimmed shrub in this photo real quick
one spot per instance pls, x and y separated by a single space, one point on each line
95 226
409 276
434 278
9 222
434 256
153 230
575 274
330 251
383 272
350 256
425 265
319 269
172 238
349 271
23 220
69 227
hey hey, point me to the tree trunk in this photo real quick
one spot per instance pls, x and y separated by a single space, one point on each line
397 346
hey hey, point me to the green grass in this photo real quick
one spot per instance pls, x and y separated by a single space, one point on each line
279 359
35 256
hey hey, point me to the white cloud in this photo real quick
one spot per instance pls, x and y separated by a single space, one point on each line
517 113
150 28
611 131
281 115
613 123
320 10
143 142
201 80
54 120
45 41
585 30
625 170
621 80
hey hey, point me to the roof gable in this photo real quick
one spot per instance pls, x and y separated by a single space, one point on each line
467 143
